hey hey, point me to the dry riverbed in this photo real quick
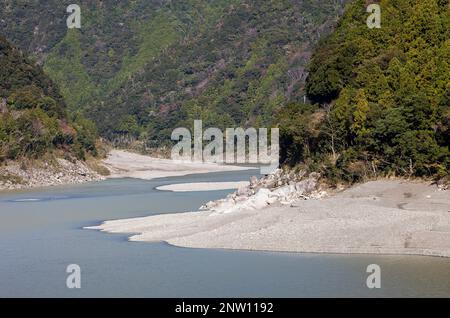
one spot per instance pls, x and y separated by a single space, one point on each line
118 164
382 217
203 186
14 176
123 164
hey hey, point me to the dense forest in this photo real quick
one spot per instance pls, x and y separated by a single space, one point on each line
380 96
353 103
33 116
140 68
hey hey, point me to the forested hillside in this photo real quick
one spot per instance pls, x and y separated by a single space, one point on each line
33 117
369 102
382 96
140 68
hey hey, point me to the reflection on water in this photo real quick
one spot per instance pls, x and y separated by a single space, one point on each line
41 233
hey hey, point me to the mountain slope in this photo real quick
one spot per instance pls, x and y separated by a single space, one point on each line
140 68
382 95
33 118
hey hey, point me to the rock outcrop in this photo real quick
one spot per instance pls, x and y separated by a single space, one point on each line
16 176
280 187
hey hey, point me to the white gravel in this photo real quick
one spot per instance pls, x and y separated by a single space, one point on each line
381 217
123 164
203 186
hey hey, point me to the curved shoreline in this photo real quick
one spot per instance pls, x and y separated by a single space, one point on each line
313 252
123 164
362 220
120 164
42 175
203 186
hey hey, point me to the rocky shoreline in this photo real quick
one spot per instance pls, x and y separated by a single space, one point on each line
283 187
292 213
117 164
15 176
279 187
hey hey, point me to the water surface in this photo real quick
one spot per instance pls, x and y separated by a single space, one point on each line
41 234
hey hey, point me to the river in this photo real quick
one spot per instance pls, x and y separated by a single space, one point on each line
41 233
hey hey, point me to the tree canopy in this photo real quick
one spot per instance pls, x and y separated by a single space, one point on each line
33 117
382 93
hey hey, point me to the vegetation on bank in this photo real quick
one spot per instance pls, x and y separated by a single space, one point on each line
33 116
381 96
370 102
141 68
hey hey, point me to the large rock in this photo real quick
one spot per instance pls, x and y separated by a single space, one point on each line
284 188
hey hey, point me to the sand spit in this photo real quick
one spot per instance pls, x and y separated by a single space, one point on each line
203 186
123 164
380 217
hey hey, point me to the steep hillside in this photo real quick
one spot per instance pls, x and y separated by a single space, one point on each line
245 65
382 96
33 118
140 68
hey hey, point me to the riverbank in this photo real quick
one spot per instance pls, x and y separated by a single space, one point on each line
40 233
57 171
123 164
117 164
378 217
203 186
